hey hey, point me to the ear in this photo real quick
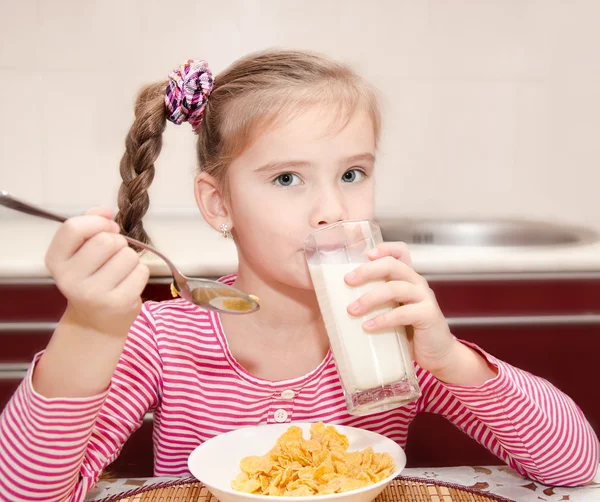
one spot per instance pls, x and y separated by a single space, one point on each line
211 202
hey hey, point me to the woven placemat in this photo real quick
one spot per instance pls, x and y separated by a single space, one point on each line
401 489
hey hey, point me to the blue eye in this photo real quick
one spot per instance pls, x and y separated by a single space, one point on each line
286 180
353 175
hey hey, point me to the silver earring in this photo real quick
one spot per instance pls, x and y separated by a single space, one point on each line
225 231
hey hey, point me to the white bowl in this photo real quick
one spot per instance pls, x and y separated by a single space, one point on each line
216 462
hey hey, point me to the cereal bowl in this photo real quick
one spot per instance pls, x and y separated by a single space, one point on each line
216 462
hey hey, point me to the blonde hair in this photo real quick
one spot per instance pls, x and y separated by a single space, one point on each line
247 97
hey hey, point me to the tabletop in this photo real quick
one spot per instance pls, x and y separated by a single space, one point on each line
499 480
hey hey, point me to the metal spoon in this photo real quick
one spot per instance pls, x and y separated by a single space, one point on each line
211 295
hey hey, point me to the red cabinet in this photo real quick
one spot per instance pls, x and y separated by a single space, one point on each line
548 325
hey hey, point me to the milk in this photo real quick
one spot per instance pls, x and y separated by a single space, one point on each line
364 360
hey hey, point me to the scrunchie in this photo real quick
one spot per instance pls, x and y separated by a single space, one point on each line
187 92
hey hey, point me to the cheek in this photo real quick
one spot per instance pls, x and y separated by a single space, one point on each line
360 201
262 224
263 234
273 246
268 213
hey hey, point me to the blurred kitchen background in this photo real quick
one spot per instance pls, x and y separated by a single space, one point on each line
491 107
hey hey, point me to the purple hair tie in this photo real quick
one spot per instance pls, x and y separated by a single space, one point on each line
187 92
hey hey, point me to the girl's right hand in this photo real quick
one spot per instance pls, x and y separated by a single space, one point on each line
99 274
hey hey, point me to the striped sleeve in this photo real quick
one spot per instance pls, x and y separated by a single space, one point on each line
43 443
523 419
55 449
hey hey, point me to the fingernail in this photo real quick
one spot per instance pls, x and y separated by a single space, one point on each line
354 307
373 253
369 324
350 276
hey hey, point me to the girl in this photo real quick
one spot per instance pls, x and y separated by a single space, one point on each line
286 144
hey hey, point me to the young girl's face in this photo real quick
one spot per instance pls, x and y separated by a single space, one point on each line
294 178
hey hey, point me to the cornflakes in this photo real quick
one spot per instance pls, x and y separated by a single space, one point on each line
321 465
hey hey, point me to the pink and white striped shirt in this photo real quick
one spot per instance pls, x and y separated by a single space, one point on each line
177 363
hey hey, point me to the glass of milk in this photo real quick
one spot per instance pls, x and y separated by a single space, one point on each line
375 368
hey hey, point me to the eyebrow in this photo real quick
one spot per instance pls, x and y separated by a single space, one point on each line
291 164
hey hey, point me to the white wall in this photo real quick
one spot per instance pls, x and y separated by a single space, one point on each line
492 107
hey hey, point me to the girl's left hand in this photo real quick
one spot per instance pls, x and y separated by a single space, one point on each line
433 342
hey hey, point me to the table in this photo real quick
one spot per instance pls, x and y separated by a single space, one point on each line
500 480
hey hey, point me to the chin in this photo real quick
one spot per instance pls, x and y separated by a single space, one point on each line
297 277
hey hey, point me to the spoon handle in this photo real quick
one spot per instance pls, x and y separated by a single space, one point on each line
7 200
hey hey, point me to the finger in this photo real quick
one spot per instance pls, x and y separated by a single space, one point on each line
398 250
105 212
404 315
133 284
386 268
94 253
393 292
117 268
72 234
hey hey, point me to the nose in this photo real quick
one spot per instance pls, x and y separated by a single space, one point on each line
329 207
